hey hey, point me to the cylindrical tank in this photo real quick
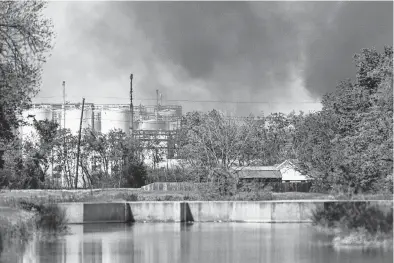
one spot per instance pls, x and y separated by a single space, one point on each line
115 118
73 117
87 120
39 113
57 116
154 125
167 112
97 120
174 125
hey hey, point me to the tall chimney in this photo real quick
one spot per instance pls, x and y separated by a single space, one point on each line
157 98
131 103
64 104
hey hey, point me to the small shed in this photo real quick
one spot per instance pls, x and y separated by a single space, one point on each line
290 174
259 174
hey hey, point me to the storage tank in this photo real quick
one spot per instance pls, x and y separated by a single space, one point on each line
154 125
174 125
73 117
57 116
115 118
40 113
167 112
87 121
97 120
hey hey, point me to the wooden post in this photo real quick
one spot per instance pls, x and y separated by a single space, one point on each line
131 104
79 144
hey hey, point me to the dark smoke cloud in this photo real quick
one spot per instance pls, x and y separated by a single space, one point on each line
356 25
244 51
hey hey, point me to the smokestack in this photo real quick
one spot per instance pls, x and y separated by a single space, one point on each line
64 104
157 97
161 99
131 103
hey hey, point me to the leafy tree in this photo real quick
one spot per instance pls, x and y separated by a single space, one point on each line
212 141
25 39
113 160
350 140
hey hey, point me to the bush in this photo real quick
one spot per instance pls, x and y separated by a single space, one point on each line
135 175
350 216
50 218
14 236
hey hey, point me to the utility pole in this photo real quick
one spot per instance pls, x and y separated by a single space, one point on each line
64 104
64 127
131 103
79 143
157 98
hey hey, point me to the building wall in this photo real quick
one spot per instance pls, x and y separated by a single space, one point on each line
290 174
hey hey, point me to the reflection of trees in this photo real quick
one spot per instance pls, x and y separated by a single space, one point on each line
93 251
51 251
186 242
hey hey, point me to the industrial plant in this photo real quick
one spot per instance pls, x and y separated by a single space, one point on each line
155 126
159 122
105 117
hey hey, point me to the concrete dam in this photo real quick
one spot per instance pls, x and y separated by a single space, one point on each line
299 211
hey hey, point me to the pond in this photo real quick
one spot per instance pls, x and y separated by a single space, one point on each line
197 242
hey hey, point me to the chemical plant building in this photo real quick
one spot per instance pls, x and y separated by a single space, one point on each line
103 118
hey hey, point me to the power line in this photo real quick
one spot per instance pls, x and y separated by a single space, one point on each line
208 101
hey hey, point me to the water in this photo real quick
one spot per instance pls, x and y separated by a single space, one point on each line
198 242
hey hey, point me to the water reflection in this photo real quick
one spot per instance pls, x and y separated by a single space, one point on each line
198 242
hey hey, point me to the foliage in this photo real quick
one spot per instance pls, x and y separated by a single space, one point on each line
25 39
116 157
354 215
348 144
213 141
52 218
176 174
106 160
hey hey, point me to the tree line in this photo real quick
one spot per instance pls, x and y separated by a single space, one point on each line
347 146
106 160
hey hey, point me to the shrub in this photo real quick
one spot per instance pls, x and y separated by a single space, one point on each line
354 215
52 218
14 237
135 175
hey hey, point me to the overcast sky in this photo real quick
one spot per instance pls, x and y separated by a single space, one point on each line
285 53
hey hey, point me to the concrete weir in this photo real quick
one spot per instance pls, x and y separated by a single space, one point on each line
298 211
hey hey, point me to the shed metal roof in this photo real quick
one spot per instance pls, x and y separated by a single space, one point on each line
260 172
